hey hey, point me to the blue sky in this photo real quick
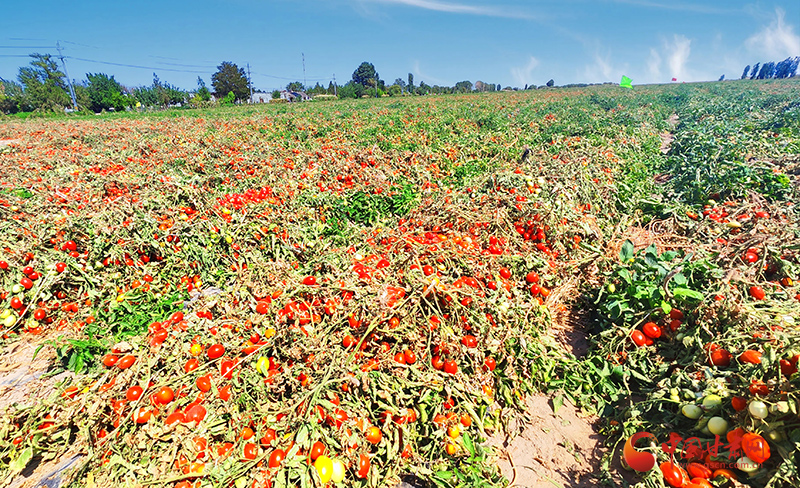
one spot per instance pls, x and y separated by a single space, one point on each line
510 42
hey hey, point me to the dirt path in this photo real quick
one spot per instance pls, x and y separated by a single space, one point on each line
552 449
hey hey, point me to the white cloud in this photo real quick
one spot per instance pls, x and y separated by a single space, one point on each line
776 41
461 8
428 79
677 56
523 74
601 70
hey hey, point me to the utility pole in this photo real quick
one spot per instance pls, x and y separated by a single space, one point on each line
304 71
334 85
249 83
69 81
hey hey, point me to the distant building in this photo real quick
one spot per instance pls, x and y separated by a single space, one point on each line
261 98
294 96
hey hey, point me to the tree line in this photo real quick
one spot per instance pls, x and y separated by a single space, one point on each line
783 69
42 86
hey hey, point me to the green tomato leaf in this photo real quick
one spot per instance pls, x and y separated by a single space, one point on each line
686 292
21 461
626 253
666 307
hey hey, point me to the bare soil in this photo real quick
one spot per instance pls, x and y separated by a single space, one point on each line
559 449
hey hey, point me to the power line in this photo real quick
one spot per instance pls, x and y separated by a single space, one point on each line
135 66
27 47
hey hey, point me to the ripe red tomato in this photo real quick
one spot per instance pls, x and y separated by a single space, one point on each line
216 351
203 383
505 273
450 367
26 283
3 264
739 403
638 338
532 277
191 365
126 361
262 308
69 246
755 447
176 317
758 388
363 466
142 415
437 362
16 303
720 357
317 450
309 280
134 393
489 363
400 358
195 414
409 356
373 435
276 458
750 356
110 360
469 341
250 450
787 368
673 474
165 395
697 470
39 314
757 292
226 368
60 267
651 330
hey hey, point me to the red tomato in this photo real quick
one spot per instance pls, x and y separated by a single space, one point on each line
317 450
60 267
363 466
126 361
755 447
110 360
720 357
469 341
142 415
409 356
673 474
697 470
216 351
373 435
787 368
276 458
250 450
505 273
134 393
450 367
309 281
651 330
195 414
532 277
437 362
165 395
757 292
26 283
226 368
262 308
750 356
738 403
638 338
489 363
758 388
191 365
39 314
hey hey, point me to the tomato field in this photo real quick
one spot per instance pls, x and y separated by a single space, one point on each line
344 293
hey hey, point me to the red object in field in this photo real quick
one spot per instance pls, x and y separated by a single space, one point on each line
674 79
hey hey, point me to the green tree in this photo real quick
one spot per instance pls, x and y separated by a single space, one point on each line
365 75
230 78
295 86
203 93
410 83
104 93
463 87
45 86
13 98
551 83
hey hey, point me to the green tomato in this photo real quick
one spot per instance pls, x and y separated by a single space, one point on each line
758 409
5 314
611 287
747 465
711 402
337 471
717 425
9 321
692 411
16 289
